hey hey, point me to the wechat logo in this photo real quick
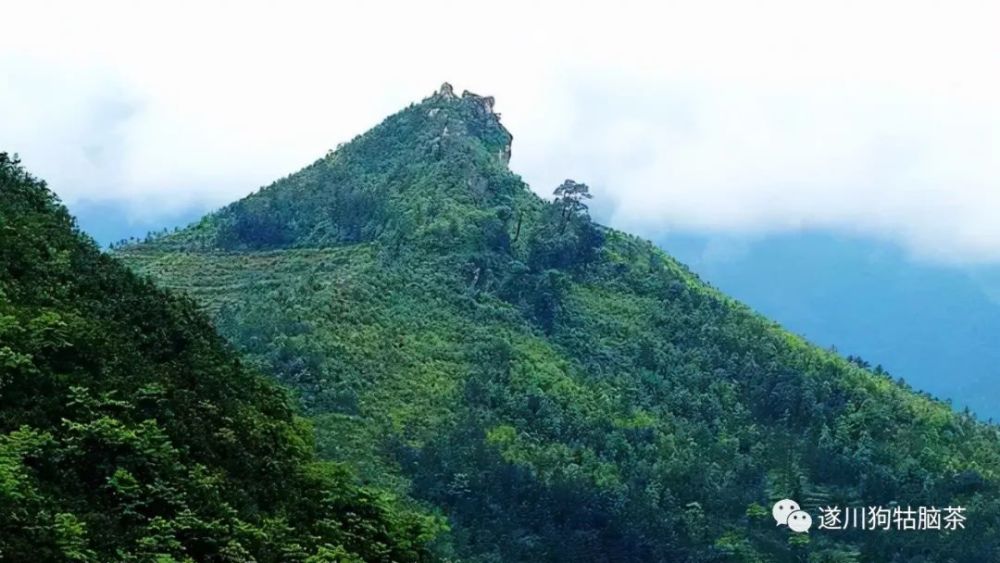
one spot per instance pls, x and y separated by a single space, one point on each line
787 512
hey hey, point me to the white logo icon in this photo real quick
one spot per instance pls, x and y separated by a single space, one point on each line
782 509
800 521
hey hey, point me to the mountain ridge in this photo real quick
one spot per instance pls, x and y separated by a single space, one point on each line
446 125
562 390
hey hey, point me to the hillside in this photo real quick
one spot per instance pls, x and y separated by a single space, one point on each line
561 390
934 324
129 431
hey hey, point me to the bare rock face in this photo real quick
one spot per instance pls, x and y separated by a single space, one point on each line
483 110
485 102
505 154
484 106
446 91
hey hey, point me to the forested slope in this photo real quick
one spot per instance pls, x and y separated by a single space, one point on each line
562 391
129 431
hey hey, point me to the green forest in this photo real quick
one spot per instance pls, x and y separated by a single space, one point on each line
555 389
402 353
130 431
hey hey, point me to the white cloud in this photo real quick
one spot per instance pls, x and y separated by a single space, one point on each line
878 118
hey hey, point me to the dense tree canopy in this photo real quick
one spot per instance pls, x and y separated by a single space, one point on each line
130 432
561 390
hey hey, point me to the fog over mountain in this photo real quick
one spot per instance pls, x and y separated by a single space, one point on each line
272 291
877 119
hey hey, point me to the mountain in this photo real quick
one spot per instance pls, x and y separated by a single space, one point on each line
129 431
864 297
562 391
110 222
932 325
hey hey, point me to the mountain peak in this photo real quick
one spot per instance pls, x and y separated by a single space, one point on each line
446 90
476 112
394 178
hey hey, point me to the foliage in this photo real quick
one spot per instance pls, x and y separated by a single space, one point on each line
130 432
563 391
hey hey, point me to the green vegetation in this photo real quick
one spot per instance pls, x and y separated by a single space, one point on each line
130 432
562 391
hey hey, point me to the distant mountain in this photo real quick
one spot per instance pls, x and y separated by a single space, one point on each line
130 432
111 221
560 390
934 326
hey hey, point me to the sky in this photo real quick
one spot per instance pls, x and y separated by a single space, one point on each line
877 118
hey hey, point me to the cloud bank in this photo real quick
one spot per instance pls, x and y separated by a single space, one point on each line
872 118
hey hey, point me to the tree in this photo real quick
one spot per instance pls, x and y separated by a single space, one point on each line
569 196
129 430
